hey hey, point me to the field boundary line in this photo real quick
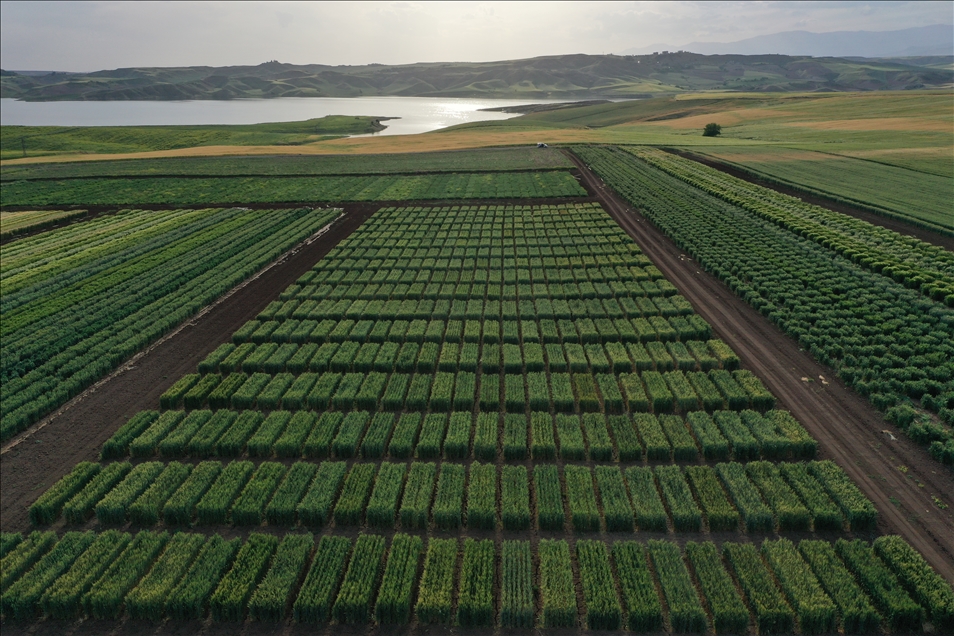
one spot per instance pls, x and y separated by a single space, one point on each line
131 363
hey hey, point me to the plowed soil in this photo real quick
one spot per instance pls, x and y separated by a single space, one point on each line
895 473
32 462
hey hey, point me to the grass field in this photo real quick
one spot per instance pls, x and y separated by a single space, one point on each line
909 129
33 141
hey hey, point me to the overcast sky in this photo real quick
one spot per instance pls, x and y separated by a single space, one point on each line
89 36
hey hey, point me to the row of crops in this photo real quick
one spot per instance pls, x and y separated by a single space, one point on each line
421 345
816 586
917 264
758 496
488 329
367 387
889 342
238 190
78 301
722 435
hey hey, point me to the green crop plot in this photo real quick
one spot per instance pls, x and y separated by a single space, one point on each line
490 159
131 191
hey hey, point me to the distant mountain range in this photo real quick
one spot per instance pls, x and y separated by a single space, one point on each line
568 77
937 39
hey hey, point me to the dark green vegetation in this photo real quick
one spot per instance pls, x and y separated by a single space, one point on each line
874 305
152 576
490 160
554 76
237 190
234 492
72 314
32 141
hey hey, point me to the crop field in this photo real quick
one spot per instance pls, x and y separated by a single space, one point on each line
14 223
480 416
78 301
917 195
205 191
874 305
486 160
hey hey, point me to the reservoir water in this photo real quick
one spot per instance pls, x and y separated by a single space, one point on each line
417 114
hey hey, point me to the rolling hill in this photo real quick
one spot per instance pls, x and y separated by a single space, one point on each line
562 76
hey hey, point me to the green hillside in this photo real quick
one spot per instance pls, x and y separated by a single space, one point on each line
552 76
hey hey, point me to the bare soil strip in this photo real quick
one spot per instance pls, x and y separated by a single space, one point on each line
76 433
895 225
896 474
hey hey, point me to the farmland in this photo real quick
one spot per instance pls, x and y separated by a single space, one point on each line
489 159
808 313
914 192
29 220
481 370
72 315
199 191
497 393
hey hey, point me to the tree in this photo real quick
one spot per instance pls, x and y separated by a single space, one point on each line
712 130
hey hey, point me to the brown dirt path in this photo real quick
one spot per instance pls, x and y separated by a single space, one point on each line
78 430
848 428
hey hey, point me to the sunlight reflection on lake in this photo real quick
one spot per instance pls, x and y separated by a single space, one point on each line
417 114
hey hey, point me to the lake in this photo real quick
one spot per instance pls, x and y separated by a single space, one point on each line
417 114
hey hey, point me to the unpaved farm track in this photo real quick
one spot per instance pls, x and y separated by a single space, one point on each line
848 428
77 433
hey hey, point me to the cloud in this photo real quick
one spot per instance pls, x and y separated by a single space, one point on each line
86 36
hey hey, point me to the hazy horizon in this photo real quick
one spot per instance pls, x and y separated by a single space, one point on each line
92 36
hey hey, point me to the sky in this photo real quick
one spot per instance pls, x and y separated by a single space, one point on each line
89 36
